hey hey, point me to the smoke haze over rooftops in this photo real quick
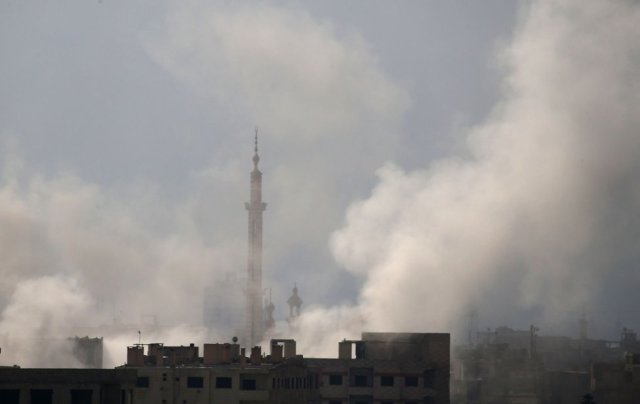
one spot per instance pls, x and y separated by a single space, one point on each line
419 163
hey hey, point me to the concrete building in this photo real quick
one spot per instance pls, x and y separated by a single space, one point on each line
520 366
74 352
380 368
88 351
224 306
617 382
64 386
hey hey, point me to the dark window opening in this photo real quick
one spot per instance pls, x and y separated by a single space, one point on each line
411 381
429 378
335 380
81 396
360 400
41 396
248 384
360 381
142 381
361 377
335 402
386 381
195 382
10 396
223 383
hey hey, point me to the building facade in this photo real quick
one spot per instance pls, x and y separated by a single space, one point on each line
67 386
380 368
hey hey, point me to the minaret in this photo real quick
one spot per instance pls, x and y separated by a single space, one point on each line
255 311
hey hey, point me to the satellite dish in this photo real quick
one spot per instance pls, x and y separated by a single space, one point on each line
234 339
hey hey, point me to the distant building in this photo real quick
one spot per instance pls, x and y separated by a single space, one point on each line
88 351
380 368
224 306
617 382
522 367
295 303
75 352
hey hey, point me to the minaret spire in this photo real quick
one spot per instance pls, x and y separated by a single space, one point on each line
254 291
256 158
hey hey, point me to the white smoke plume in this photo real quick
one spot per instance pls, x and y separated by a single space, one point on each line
139 260
77 258
535 221
532 222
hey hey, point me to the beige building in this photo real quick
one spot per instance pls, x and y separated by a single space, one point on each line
380 368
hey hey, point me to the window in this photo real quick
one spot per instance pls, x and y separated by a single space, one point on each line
335 380
81 396
360 380
248 384
361 377
360 400
195 382
10 396
41 396
386 381
223 383
429 378
411 381
142 381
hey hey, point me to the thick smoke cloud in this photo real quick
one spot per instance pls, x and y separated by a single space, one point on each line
77 257
135 253
323 104
535 221
539 215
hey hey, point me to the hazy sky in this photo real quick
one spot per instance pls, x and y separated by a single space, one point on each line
437 153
